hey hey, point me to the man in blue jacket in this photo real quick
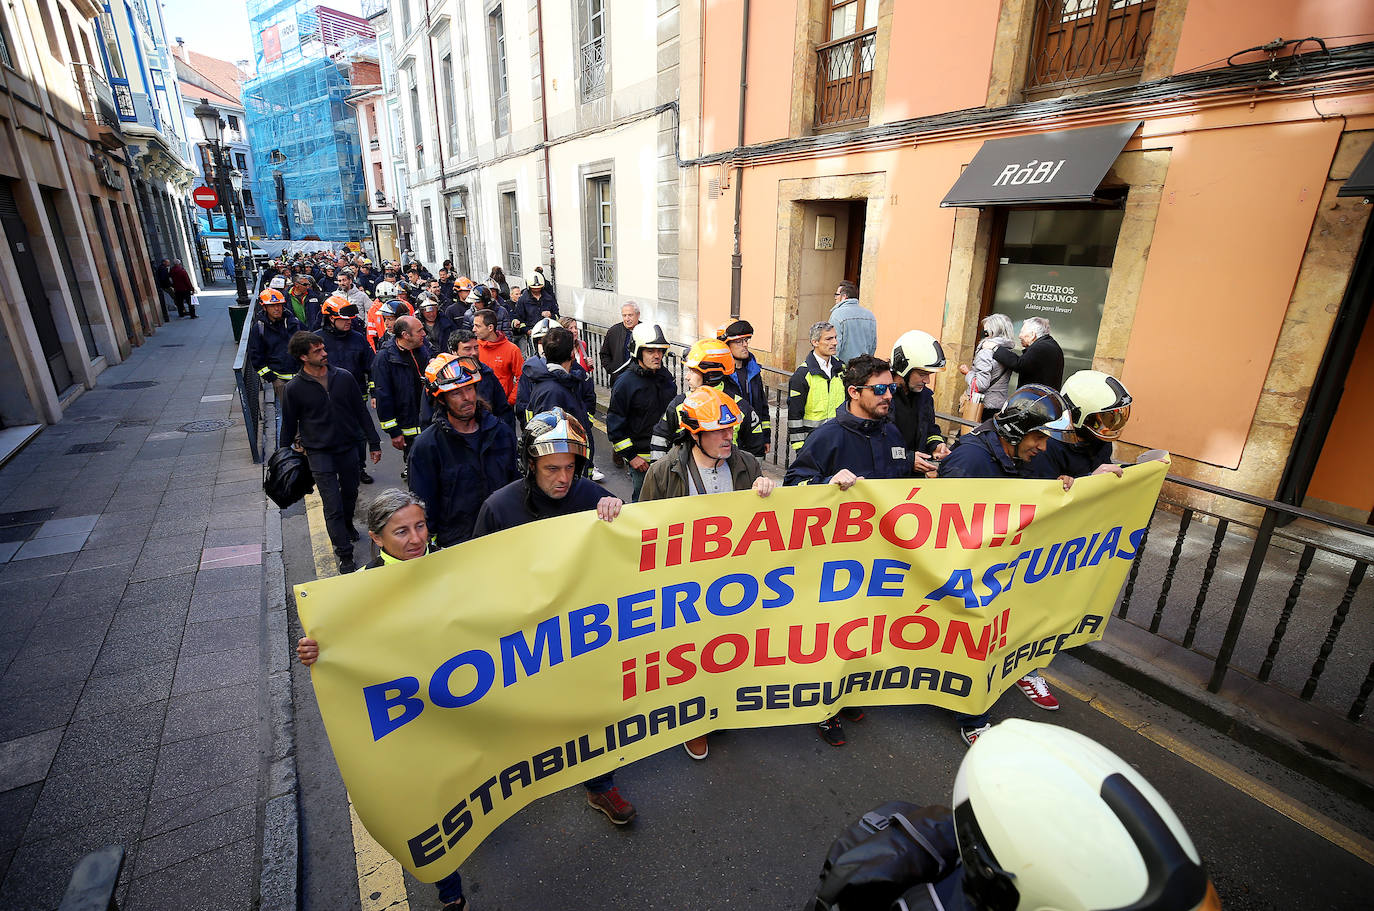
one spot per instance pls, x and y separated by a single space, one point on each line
858 442
463 456
746 386
1005 447
397 374
268 339
554 455
855 323
349 350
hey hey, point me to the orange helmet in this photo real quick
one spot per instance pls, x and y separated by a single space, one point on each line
463 283
712 359
337 306
707 408
446 373
272 296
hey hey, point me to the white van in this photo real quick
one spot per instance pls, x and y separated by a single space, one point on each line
218 246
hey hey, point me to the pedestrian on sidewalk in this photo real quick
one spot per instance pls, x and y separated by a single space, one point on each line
228 265
855 323
704 460
463 456
554 456
162 277
183 290
1041 359
325 406
858 443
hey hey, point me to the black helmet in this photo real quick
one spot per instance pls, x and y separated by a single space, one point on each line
1033 408
479 295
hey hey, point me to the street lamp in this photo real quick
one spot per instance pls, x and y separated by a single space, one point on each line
236 181
212 126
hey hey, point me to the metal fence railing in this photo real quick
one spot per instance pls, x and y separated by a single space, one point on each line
250 389
1297 617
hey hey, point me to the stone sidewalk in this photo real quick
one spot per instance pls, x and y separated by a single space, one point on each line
134 703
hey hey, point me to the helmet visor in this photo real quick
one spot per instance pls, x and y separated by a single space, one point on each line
347 311
1058 428
1107 425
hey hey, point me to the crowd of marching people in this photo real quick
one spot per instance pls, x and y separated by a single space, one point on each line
487 392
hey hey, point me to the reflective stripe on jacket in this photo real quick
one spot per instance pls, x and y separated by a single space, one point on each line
812 397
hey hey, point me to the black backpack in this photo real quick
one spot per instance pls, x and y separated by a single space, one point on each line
287 478
890 849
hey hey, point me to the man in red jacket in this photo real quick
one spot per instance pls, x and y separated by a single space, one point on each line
182 289
498 352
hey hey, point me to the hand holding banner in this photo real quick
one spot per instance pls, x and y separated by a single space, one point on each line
460 687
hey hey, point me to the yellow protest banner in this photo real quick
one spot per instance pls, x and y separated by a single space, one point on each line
462 686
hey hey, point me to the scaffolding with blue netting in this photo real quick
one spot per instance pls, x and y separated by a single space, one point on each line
303 133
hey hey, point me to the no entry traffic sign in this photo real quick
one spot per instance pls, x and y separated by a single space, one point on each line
205 197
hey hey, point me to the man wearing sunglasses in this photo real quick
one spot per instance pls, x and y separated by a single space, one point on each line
348 350
858 442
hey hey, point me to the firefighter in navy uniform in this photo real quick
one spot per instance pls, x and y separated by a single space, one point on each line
348 349
554 455
708 363
464 454
858 442
1099 407
639 397
1003 447
745 385
916 357
268 340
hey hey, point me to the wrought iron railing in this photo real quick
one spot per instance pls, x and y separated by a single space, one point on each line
603 274
513 263
844 79
250 388
1298 619
593 69
1085 41
97 99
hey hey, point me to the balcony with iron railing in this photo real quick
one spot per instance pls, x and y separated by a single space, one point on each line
593 69
1088 42
513 265
97 98
844 80
603 274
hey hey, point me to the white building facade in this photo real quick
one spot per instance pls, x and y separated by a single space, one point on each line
536 135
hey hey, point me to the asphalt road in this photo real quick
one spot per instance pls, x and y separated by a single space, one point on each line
750 826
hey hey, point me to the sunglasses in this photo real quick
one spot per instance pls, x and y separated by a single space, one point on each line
880 388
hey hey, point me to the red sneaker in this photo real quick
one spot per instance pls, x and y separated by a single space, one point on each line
1038 691
617 809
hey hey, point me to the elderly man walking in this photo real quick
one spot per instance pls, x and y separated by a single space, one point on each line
183 290
1041 360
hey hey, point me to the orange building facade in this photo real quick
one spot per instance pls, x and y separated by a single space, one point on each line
1211 265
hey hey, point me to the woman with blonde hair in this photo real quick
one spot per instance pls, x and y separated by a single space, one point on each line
987 378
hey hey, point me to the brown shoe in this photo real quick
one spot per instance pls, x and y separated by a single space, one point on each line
696 747
617 809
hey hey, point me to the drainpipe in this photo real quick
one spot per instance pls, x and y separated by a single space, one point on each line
438 133
544 120
736 260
